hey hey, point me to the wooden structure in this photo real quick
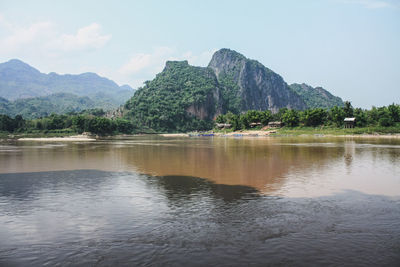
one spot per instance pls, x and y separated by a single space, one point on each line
349 122
254 124
275 124
224 125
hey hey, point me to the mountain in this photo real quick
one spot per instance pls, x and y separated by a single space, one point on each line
36 107
316 97
34 94
184 97
180 98
19 80
251 86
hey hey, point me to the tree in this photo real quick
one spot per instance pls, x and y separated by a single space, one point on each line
7 124
220 118
278 116
78 123
290 118
385 118
361 117
314 117
336 116
373 116
123 126
348 109
394 112
100 125
266 117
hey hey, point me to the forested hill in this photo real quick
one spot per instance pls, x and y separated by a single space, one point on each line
43 106
26 91
184 97
316 97
20 80
180 98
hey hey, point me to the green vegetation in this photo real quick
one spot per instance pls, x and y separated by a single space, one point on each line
384 120
163 102
381 120
230 93
26 91
67 124
60 103
329 130
316 97
37 107
19 80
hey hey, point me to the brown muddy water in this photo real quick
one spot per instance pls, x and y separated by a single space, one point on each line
201 201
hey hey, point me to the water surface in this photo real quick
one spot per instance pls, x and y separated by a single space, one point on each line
201 201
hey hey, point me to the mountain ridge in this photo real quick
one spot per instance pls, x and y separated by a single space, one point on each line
316 97
183 97
20 80
30 93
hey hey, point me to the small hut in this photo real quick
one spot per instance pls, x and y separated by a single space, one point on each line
224 125
275 124
254 124
349 122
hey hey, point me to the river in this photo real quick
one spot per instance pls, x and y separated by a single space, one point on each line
201 201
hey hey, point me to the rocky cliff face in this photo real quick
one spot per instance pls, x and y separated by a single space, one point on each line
184 97
258 87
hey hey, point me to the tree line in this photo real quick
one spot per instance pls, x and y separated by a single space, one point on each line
376 116
93 122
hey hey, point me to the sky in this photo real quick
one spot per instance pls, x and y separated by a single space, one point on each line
349 47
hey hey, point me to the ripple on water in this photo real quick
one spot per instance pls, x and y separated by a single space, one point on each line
93 217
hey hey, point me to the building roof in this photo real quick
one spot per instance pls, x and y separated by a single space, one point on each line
350 119
220 125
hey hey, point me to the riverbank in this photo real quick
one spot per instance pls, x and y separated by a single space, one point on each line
368 132
71 138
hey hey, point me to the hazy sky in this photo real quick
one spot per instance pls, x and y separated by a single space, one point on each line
350 47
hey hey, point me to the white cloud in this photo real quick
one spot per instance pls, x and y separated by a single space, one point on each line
88 37
144 66
373 4
22 36
147 62
44 38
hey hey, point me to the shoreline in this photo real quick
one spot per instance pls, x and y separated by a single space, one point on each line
236 134
275 133
59 139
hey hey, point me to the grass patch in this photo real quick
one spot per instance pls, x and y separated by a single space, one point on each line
337 131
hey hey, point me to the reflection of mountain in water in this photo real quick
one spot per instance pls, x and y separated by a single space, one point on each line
262 164
182 188
271 165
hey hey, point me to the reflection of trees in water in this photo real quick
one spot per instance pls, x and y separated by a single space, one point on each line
349 151
183 188
258 163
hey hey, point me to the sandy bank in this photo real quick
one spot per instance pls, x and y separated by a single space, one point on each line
175 135
60 139
231 134
263 133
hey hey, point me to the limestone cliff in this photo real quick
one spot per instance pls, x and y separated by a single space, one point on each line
258 87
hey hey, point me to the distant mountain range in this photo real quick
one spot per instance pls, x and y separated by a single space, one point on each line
183 97
28 92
